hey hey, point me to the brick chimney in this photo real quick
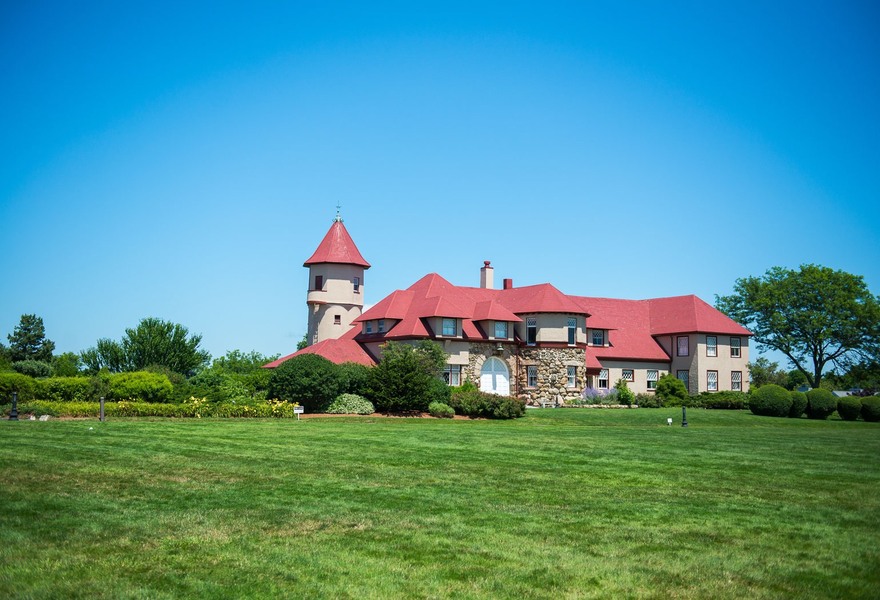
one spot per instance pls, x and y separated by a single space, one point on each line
487 276
508 284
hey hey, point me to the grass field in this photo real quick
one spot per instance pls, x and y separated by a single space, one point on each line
560 504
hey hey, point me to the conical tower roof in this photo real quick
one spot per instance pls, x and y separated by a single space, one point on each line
337 247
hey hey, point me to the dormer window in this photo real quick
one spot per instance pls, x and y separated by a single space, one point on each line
381 325
531 331
368 327
500 330
598 337
450 327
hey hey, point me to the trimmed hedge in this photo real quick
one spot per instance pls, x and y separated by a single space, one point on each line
871 409
471 402
724 400
771 401
821 403
24 385
350 404
849 407
140 385
67 389
440 410
193 408
798 404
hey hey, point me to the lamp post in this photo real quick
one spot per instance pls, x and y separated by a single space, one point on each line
684 416
13 414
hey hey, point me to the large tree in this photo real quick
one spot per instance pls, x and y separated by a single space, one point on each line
816 316
28 340
153 342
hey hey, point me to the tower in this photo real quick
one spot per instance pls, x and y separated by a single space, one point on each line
336 284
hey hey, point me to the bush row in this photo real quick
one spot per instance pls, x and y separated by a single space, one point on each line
469 401
139 385
194 408
728 400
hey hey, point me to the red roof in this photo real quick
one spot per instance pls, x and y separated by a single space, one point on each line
686 314
337 247
338 351
630 337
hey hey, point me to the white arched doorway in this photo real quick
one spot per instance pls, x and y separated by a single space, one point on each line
494 377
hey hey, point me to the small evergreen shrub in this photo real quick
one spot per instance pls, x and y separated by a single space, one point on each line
308 379
140 385
67 389
771 400
821 403
798 404
671 391
350 404
871 409
725 400
467 400
849 408
16 382
32 368
625 395
441 410
353 378
648 401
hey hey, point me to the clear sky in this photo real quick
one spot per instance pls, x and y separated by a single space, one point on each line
181 160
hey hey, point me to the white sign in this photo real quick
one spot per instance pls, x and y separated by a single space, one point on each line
299 409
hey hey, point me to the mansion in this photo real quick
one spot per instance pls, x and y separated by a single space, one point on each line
533 342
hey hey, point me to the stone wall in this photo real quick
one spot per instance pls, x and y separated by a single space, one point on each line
552 366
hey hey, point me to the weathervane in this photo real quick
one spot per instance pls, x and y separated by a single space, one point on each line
338 216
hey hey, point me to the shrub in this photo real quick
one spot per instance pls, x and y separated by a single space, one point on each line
32 368
441 410
471 402
671 391
592 396
350 404
821 403
648 401
16 382
871 409
849 408
625 395
771 400
726 400
798 404
67 389
140 385
353 378
406 377
308 379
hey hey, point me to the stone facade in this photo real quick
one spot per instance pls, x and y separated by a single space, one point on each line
552 371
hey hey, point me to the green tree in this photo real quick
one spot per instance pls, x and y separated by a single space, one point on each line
671 390
404 379
28 341
67 364
763 371
303 343
816 316
152 342
308 379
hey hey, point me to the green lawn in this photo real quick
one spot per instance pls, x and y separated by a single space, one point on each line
560 504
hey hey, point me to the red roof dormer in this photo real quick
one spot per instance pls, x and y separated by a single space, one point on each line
337 247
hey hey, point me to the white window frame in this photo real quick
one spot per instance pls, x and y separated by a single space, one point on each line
572 331
368 327
686 346
630 372
571 372
452 375
601 337
712 346
531 326
652 378
447 321
532 376
711 386
735 348
505 327
603 377
736 381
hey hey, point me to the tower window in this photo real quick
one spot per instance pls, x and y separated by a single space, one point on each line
337 319
356 282
531 331
319 282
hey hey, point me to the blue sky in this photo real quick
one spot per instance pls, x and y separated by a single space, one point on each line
181 160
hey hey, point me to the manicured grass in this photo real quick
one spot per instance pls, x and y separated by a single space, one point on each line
560 504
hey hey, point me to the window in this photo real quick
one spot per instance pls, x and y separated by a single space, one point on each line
603 379
452 375
356 282
683 345
450 326
711 345
598 337
531 331
735 344
572 377
685 377
572 331
736 381
652 379
368 327
712 381
501 330
628 375
319 282
381 326
532 376
337 319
